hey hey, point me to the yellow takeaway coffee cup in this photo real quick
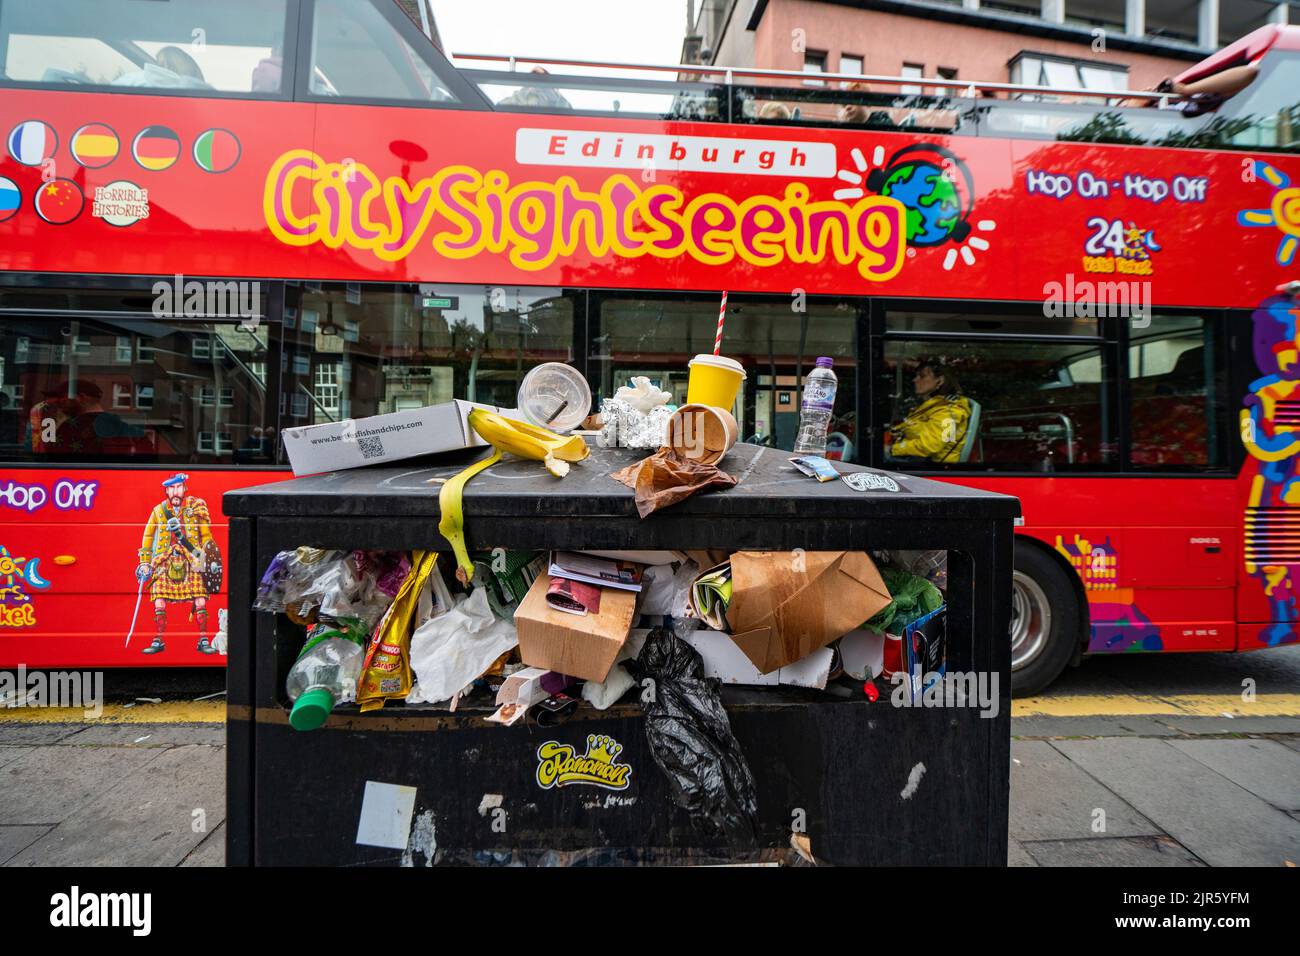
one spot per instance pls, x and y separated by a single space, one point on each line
714 380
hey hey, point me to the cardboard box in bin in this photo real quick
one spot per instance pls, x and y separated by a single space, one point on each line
352 443
582 646
785 604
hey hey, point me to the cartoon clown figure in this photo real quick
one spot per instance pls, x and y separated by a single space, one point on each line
176 542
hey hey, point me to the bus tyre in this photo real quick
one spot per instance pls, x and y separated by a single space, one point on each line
1045 616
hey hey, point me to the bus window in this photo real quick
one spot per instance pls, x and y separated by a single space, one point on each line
233 47
362 51
95 391
1174 395
970 394
351 350
657 336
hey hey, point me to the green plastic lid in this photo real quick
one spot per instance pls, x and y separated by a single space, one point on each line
311 709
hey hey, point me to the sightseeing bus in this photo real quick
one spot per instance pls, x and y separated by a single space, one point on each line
218 225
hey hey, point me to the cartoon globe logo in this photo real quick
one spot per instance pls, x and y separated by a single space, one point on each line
934 187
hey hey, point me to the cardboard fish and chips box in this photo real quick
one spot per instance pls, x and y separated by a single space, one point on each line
356 442
787 604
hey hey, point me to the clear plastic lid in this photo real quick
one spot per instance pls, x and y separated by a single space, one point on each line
555 396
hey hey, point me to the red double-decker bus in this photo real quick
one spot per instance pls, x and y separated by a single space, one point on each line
216 227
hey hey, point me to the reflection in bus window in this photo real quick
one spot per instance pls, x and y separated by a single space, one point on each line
354 351
181 44
995 403
1174 394
357 53
657 337
133 390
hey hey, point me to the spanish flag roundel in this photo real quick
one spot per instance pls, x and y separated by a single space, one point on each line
95 145
216 151
156 148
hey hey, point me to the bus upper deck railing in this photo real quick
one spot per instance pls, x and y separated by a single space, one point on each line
696 93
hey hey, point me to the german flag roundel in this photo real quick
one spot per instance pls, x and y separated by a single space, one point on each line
216 151
95 145
156 148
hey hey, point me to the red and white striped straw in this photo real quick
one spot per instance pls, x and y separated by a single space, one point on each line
722 318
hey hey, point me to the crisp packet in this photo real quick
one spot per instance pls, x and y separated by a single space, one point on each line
387 669
814 466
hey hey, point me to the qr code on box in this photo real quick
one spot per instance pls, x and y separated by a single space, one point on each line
371 446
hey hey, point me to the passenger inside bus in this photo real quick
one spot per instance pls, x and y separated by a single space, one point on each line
537 96
172 68
91 429
936 429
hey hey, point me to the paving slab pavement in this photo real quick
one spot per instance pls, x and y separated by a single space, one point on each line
1220 821
1112 851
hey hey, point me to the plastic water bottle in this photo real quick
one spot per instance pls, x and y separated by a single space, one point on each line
818 405
325 675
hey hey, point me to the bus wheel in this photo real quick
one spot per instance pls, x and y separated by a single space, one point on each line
1044 621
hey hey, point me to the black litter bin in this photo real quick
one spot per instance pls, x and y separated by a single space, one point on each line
858 782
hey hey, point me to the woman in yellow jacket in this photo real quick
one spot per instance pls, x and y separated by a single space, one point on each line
936 429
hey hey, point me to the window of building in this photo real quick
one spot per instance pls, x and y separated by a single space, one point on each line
946 73
144 397
814 62
124 353
911 70
121 396
206 443
226 396
362 50
1033 69
200 347
225 443
191 45
207 396
143 351
851 64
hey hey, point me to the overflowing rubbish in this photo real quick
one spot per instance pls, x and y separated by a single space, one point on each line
520 638
666 633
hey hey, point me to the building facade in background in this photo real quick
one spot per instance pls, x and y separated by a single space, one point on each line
1094 44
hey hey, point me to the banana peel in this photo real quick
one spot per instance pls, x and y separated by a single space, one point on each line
504 435
529 441
452 523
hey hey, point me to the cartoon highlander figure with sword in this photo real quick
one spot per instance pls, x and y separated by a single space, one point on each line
179 557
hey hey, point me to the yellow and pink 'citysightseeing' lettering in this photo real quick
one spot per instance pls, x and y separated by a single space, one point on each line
463 212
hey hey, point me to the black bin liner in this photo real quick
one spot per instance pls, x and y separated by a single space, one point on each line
691 739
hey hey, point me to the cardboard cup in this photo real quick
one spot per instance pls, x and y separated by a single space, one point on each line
702 432
715 380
